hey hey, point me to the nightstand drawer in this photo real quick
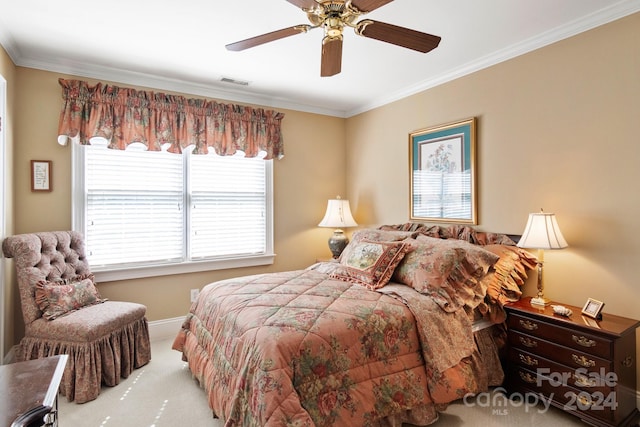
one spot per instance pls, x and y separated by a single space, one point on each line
564 355
580 378
596 404
587 343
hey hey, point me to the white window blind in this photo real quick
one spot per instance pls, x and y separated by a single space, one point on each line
228 200
134 207
144 209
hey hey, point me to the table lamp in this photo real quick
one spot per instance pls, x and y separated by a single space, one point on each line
541 232
338 216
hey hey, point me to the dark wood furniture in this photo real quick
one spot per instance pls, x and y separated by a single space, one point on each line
29 392
586 366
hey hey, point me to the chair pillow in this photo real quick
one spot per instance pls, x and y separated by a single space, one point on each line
370 263
58 298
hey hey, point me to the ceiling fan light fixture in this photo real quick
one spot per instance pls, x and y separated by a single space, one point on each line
333 27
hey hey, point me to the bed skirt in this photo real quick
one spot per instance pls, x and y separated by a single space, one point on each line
484 363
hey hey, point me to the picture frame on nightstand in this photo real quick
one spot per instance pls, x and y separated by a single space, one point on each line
593 308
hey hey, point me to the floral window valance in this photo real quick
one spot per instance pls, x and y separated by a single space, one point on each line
166 122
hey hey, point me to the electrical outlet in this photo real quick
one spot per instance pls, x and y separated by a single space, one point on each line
194 294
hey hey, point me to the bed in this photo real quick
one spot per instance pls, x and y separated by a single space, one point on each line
407 320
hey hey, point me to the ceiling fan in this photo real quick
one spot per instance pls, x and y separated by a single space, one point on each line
333 16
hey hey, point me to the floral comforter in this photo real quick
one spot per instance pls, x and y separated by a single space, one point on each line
300 349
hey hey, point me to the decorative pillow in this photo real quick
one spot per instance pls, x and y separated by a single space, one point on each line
449 270
377 235
460 232
471 235
417 228
370 263
56 299
511 271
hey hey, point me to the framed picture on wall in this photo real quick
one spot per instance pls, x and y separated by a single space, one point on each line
41 175
442 164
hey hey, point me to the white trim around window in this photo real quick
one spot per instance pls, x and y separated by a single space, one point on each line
182 264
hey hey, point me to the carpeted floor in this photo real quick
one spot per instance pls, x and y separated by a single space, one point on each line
163 394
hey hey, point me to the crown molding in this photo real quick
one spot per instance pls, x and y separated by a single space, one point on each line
602 17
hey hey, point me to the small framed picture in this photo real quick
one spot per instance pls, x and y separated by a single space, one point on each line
41 175
593 308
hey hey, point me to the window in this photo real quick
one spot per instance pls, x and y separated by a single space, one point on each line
153 213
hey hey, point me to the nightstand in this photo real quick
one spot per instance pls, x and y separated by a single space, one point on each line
586 367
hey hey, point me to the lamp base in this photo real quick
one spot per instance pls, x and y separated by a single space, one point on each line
540 301
337 242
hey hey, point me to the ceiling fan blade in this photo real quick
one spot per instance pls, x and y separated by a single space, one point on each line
400 36
304 4
268 37
331 63
368 5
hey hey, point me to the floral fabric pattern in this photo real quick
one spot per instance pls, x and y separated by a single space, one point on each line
370 263
448 270
58 298
105 342
124 116
459 232
504 284
301 349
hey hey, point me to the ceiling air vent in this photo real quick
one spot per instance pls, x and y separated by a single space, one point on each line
234 81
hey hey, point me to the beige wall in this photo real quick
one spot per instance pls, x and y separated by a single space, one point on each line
557 129
311 172
7 299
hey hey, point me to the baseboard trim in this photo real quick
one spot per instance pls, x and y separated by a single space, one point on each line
164 329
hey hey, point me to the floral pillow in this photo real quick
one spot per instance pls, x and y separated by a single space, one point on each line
56 299
377 235
448 270
370 263
510 272
460 232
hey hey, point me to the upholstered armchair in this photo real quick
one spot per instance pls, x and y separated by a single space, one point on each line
64 314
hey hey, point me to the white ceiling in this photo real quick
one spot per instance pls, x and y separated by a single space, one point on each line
179 45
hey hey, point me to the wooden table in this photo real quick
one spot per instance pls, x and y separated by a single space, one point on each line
29 391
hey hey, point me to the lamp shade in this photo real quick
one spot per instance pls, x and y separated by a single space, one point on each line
542 232
338 215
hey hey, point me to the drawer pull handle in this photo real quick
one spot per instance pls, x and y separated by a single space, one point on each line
528 325
627 362
585 342
584 401
583 381
528 360
527 377
583 361
528 342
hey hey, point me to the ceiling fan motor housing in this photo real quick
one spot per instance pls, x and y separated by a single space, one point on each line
333 16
